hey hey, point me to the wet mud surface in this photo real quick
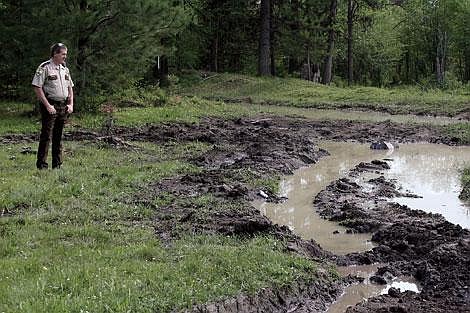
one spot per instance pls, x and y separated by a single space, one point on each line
217 200
411 242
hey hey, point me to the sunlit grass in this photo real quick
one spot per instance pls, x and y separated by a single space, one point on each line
465 178
296 92
73 240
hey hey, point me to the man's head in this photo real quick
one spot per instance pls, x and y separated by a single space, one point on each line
58 53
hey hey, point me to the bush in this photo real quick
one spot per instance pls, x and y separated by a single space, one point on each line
145 96
451 81
465 194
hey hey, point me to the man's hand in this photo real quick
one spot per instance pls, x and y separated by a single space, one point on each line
50 109
69 108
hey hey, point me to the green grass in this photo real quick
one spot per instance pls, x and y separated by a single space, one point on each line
460 131
301 93
49 268
72 240
189 110
465 194
15 119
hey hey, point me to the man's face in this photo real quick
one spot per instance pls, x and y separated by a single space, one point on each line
59 57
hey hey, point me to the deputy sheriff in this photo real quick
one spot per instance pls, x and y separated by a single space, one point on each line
53 87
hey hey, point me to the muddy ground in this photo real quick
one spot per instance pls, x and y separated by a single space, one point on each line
217 200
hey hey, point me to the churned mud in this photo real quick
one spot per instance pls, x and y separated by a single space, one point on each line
217 200
410 242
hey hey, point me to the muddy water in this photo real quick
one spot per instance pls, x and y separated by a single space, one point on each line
432 172
325 114
361 292
298 213
428 170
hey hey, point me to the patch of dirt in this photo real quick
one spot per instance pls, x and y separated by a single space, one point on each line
236 131
298 297
412 242
216 200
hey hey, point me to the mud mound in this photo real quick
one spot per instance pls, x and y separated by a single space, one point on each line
412 242
298 297
216 200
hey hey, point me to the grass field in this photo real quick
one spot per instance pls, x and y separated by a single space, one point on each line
301 93
75 240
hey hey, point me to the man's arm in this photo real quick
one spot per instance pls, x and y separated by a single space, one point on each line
70 100
42 97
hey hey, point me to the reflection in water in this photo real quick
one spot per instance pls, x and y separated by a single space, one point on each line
428 170
300 189
432 171
402 286
356 293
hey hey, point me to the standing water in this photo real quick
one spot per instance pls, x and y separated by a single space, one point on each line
432 172
297 211
427 170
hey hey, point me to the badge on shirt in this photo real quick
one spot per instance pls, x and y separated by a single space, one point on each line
39 71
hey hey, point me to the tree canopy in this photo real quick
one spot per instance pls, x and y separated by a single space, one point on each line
116 44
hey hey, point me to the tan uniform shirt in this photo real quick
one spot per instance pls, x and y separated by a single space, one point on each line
54 80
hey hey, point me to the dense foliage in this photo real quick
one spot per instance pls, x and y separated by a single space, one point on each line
118 44
111 43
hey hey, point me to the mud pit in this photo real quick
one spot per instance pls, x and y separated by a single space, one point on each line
412 243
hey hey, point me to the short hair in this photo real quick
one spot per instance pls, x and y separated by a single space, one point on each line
55 48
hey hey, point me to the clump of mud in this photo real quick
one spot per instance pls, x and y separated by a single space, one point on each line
412 242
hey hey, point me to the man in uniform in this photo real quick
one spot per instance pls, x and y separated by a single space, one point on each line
53 87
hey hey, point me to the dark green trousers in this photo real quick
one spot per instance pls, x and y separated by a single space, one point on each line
51 131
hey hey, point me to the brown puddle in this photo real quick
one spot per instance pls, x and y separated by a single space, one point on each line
432 172
297 211
356 293
428 170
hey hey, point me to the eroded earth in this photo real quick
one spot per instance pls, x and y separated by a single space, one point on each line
217 200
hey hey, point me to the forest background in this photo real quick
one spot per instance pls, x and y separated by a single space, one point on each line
117 45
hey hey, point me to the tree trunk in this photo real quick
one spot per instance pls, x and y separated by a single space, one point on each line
441 56
264 63
83 39
351 4
214 64
272 41
160 71
466 75
328 67
309 73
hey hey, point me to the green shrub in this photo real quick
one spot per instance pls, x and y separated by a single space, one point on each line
465 194
146 96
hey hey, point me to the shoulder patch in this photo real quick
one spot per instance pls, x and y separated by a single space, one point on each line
39 70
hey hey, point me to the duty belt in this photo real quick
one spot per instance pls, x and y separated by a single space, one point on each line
58 103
